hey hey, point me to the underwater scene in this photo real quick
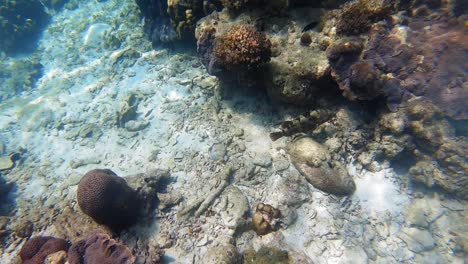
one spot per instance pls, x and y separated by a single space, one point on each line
233 131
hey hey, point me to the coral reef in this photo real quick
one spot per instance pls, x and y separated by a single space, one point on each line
21 23
357 16
98 247
314 162
266 219
108 199
418 60
36 249
296 73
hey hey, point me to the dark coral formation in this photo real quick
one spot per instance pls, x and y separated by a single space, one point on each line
108 199
99 248
266 219
157 22
35 250
243 47
21 23
235 5
171 21
357 16
428 58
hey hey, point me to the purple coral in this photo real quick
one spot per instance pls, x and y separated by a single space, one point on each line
99 248
35 250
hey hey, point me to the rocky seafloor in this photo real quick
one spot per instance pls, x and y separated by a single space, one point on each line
382 178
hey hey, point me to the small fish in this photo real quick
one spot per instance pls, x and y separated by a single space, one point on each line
303 123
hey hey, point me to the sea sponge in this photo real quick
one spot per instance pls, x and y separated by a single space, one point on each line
108 199
38 248
356 17
242 47
99 248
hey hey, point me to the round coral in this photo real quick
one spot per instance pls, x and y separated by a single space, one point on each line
108 199
242 47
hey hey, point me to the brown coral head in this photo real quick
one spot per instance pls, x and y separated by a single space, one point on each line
108 199
241 48
265 219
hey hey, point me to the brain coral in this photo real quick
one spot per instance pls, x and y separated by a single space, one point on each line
99 248
108 199
38 248
242 47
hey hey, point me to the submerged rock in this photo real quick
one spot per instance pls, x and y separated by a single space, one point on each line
314 162
225 253
6 163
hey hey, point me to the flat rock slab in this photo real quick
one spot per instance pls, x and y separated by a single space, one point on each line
417 240
6 163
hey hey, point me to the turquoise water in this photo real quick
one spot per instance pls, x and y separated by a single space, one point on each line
234 132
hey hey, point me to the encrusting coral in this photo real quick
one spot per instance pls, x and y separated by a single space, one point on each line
108 199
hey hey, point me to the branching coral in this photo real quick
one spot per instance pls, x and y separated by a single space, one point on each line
242 47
